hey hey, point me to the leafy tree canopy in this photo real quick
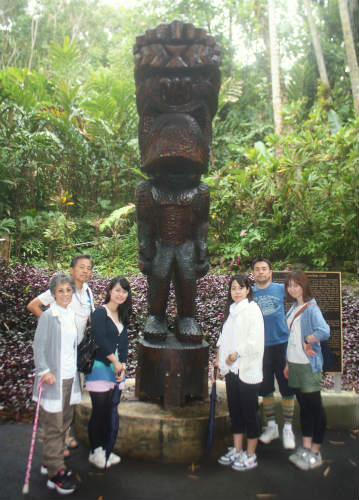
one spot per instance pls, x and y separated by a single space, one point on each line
69 159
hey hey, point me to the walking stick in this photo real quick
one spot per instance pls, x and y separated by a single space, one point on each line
25 489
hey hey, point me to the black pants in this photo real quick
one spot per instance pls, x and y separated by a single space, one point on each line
242 401
99 423
274 361
312 415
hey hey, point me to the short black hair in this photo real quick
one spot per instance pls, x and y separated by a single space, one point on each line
79 257
243 280
261 259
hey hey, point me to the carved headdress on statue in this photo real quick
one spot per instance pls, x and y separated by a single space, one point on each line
177 83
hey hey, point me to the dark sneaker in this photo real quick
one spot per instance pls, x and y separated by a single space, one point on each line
62 482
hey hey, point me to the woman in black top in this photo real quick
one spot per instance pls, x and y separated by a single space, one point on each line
108 326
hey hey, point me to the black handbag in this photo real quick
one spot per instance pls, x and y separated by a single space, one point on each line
330 363
86 351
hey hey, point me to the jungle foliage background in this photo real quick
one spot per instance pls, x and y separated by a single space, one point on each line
284 164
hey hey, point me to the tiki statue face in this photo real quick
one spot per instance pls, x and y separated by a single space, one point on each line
177 83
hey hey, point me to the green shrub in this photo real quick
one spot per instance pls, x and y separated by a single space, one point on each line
296 199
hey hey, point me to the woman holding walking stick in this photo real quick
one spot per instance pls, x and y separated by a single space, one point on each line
55 346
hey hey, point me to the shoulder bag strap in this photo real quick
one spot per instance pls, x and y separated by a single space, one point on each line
91 302
299 312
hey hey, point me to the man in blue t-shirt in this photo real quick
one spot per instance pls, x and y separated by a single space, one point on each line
270 298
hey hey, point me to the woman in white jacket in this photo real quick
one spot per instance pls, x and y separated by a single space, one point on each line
239 359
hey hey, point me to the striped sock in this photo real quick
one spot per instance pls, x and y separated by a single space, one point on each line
288 409
268 407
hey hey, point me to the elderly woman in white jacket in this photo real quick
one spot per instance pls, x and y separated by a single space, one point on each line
55 356
239 359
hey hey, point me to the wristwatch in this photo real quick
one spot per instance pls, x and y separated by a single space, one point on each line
306 341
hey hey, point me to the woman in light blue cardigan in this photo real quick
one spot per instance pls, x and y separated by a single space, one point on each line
307 328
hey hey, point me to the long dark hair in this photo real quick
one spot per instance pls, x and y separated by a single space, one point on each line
124 310
299 277
243 280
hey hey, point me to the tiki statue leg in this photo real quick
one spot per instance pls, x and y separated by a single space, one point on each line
157 294
187 329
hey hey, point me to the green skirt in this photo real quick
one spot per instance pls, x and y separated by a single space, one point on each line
303 378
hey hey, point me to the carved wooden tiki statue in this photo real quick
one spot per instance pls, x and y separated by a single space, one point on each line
177 83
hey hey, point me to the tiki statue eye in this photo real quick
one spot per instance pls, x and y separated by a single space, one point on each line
175 90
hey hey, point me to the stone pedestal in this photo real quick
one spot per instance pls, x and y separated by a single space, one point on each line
171 372
149 432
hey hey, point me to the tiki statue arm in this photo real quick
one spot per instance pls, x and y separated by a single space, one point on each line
201 229
146 228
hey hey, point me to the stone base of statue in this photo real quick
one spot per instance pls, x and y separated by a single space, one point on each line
171 373
150 432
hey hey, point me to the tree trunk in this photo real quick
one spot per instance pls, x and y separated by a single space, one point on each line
230 36
275 69
316 44
350 51
34 24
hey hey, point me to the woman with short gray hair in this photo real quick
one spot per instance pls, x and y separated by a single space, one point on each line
55 356
59 279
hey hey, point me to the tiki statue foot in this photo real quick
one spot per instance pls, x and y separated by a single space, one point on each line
155 329
188 330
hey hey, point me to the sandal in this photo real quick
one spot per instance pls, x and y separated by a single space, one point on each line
71 443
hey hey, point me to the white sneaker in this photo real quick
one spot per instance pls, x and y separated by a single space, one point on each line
309 460
113 459
230 457
270 432
98 458
298 455
245 462
288 439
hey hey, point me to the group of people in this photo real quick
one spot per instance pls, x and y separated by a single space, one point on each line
258 344
60 329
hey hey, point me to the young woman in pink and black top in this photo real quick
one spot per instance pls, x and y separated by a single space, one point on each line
108 326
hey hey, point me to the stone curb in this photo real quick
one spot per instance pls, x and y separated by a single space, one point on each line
342 408
149 432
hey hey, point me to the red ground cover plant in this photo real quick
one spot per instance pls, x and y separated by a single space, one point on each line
20 283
